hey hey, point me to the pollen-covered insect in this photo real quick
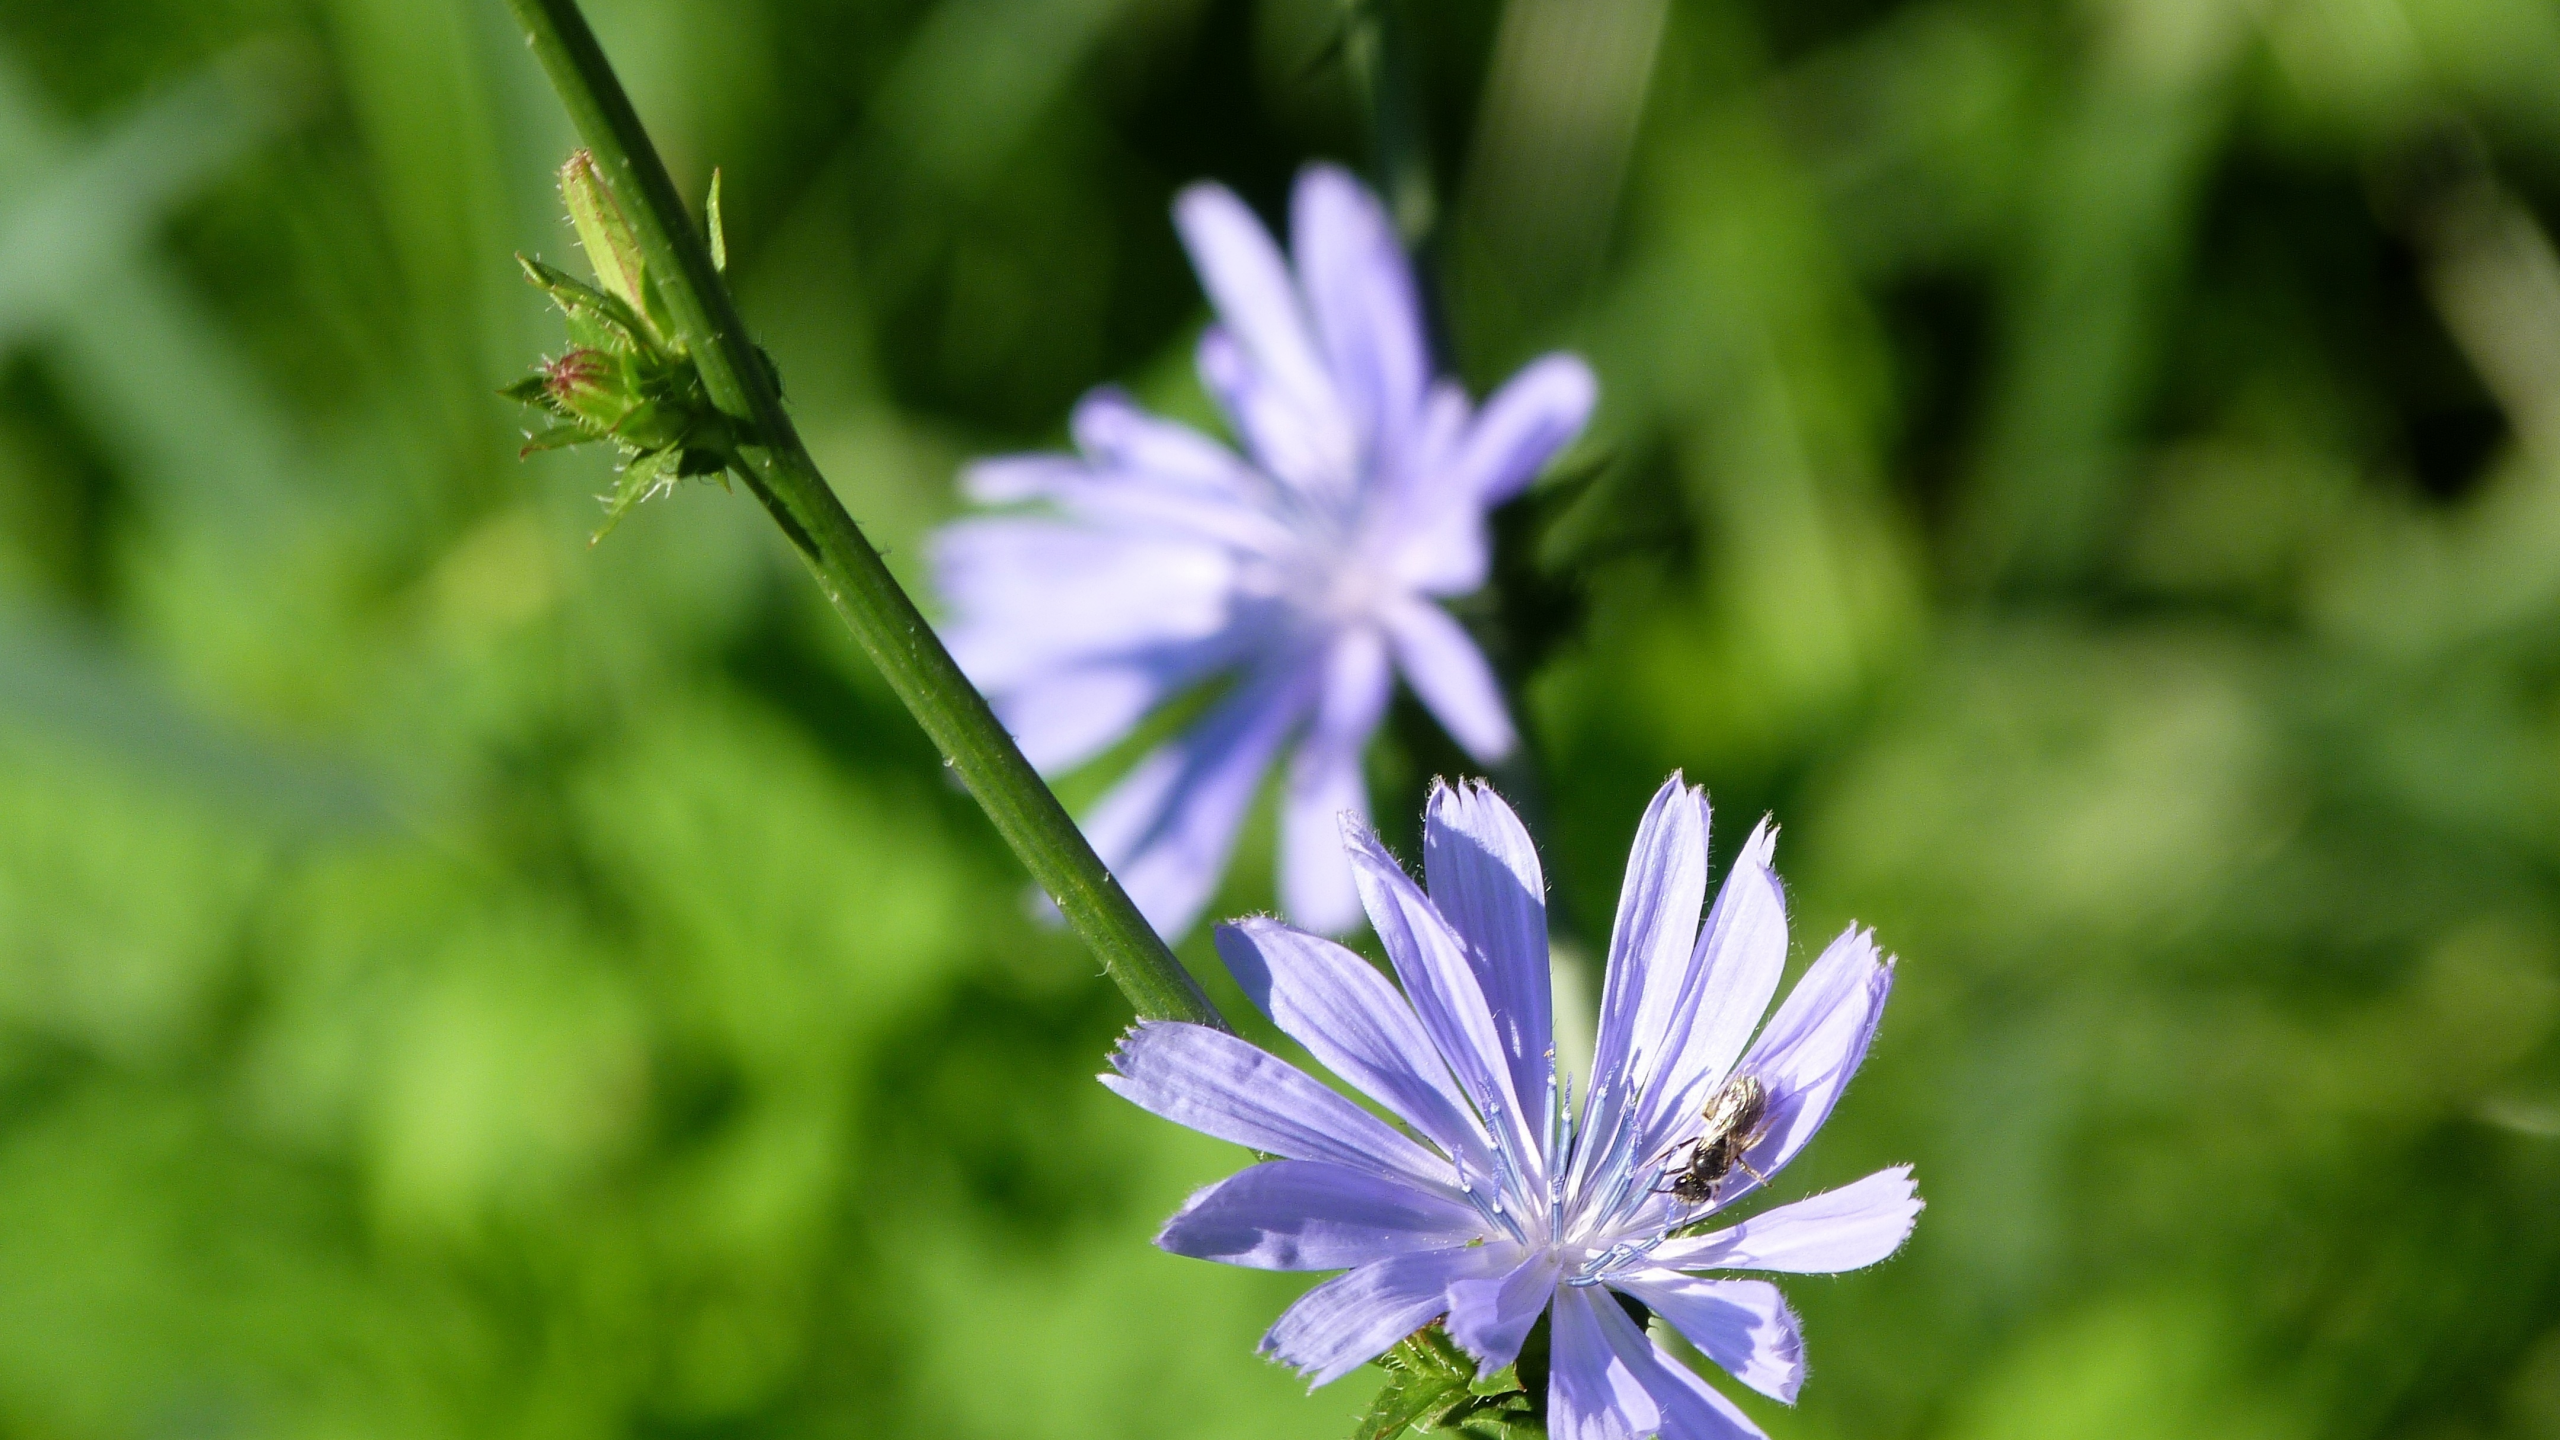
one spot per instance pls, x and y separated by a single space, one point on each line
1736 1119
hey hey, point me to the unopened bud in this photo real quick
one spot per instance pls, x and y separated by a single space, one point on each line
588 386
605 233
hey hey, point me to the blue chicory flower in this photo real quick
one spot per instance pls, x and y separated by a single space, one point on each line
1304 571
1499 1202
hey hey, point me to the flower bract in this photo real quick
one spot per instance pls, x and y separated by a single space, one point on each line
626 380
1303 572
1497 1200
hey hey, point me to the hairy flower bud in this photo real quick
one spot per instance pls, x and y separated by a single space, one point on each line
605 233
584 385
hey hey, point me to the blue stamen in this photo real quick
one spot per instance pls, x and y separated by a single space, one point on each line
1505 1178
1491 1214
1560 1147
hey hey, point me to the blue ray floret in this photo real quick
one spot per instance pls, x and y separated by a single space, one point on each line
1496 1203
1304 571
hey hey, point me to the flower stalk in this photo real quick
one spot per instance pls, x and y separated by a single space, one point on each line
1380 52
682 275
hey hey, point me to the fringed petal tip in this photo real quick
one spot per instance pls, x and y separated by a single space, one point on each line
1798 1372
1268 1348
1837 1231
1317 1374
1135 1036
1879 984
1358 833
1911 1206
1466 789
1761 849
1889 1211
1119 1056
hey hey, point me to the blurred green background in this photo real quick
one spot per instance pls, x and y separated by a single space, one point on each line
2093 469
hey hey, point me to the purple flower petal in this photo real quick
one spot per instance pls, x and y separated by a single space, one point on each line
1131 503
1523 425
1250 284
1742 1325
1351 1319
1316 456
1440 545
1352 268
1012 479
1849 1228
1489 1318
1067 717
1431 961
1690 1408
1446 669
1484 877
1304 1215
1812 1046
1141 474
1353 1022
1732 974
1655 934
1116 435
1649 947
1166 828
1325 784
1261 361
1593 1393
1003 578
1214 1083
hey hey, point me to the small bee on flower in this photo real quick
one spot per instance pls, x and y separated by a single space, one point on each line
1735 1120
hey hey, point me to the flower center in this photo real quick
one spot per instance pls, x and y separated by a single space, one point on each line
1352 591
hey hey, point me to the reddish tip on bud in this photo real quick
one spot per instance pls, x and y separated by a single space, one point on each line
590 387
578 370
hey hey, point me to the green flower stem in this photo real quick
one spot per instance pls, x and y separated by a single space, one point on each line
1380 48
778 469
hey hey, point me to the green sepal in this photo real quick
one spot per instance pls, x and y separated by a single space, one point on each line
1505 1381
612 246
555 437
612 324
645 476
1409 1400
659 412
1432 1388
696 462
1510 1419
711 220
1431 1349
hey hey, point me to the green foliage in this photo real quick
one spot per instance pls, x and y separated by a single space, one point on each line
2088 468
1432 1389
